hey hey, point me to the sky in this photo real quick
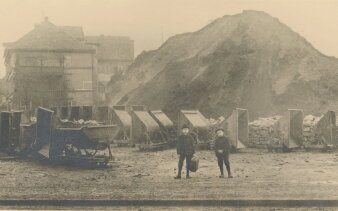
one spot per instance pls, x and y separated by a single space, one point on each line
150 22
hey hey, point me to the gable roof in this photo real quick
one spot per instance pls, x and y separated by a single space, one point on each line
113 47
74 31
48 37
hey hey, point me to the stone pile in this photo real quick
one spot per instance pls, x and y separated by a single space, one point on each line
77 123
309 129
261 131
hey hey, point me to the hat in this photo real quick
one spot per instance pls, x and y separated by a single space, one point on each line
219 129
185 126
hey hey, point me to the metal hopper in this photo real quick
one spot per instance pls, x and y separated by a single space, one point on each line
121 117
289 129
145 130
326 129
198 124
167 126
238 128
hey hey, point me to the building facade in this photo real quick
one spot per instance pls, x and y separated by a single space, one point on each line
51 65
114 55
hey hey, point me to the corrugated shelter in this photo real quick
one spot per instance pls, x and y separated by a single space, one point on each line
144 128
326 128
289 128
237 128
197 123
122 118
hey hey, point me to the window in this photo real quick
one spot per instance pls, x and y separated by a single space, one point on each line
68 61
87 85
29 61
49 62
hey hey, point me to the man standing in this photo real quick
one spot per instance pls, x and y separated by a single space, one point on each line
222 150
185 148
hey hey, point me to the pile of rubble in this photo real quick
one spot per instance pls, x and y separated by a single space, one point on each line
261 131
77 123
309 129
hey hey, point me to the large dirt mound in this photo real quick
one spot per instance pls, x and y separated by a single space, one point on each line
249 60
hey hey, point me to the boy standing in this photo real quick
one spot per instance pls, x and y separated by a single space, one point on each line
222 150
186 149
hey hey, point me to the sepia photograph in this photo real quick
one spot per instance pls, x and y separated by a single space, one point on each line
169 105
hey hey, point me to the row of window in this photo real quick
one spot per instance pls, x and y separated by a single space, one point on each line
66 61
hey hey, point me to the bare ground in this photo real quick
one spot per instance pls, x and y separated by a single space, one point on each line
137 175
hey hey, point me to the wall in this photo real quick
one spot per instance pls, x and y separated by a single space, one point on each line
48 78
79 77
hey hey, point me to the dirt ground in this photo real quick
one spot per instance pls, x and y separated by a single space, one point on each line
137 175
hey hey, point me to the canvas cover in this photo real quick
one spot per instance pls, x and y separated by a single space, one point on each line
237 128
289 128
326 128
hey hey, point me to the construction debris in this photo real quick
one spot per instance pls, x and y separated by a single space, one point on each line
309 131
261 131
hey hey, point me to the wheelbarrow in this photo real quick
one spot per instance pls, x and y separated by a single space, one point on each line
81 146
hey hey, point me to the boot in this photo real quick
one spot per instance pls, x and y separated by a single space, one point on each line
188 177
229 171
222 172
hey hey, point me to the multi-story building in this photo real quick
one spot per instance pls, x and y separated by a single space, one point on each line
114 55
59 65
51 65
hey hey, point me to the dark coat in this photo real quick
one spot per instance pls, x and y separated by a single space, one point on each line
222 143
185 145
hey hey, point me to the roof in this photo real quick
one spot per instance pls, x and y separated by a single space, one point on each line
195 118
113 47
47 36
162 118
124 117
146 119
74 31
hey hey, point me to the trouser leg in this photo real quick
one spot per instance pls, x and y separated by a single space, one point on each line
227 163
220 163
180 164
188 163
